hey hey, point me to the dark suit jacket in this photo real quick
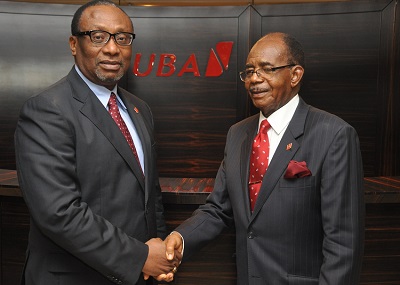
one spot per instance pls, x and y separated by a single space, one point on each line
91 208
303 231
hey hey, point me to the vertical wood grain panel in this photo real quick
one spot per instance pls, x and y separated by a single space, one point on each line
352 71
349 58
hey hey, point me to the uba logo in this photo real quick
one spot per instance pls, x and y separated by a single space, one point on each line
218 61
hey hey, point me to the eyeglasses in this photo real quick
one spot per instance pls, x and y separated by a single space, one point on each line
102 37
265 72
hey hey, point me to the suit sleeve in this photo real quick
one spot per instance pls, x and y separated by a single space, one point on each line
210 219
47 171
160 220
343 210
159 207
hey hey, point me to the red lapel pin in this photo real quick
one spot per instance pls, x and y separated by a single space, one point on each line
289 146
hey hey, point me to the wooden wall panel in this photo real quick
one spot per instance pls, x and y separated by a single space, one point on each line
34 55
381 261
353 70
352 52
192 112
389 85
348 65
395 76
14 238
183 2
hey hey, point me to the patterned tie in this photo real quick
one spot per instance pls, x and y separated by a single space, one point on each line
115 114
258 161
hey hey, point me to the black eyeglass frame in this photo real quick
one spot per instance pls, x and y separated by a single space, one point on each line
89 33
272 69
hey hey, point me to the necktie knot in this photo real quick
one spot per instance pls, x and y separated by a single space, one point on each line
112 102
264 126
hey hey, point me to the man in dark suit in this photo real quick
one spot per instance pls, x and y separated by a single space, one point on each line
307 224
93 194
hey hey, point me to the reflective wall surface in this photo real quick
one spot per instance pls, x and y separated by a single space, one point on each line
186 61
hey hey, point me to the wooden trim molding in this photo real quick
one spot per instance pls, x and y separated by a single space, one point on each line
185 2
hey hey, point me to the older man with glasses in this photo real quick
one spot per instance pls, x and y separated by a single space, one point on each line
291 183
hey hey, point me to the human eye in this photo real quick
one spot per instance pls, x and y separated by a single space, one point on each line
123 38
267 70
98 36
249 72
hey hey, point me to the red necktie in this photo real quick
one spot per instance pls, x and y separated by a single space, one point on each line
115 114
258 161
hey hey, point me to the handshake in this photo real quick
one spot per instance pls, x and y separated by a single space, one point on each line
164 257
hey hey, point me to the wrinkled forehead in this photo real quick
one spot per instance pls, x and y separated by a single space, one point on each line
267 52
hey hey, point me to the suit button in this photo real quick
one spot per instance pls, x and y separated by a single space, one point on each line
250 235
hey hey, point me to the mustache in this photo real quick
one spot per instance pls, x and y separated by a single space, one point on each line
258 90
119 62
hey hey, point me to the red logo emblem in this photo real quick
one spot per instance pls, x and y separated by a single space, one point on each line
216 67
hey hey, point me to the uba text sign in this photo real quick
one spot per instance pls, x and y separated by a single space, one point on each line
166 63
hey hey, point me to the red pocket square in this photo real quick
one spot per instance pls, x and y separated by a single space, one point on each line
297 169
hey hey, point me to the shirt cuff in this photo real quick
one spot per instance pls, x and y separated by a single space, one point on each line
183 242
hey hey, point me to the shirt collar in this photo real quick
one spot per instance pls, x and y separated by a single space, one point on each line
102 93
280 119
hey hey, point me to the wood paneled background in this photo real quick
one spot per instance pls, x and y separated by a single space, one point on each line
352 52
353 70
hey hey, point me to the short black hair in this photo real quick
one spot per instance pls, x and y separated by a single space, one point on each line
78 14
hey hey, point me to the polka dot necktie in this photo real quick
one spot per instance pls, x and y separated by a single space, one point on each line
258 161
115 114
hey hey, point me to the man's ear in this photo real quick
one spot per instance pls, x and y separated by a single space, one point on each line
72 44
297 75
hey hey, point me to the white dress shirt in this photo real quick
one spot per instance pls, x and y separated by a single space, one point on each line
279 120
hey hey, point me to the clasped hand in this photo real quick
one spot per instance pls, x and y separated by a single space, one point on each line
164 258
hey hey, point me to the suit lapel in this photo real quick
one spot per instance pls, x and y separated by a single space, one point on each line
98 115
283 155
